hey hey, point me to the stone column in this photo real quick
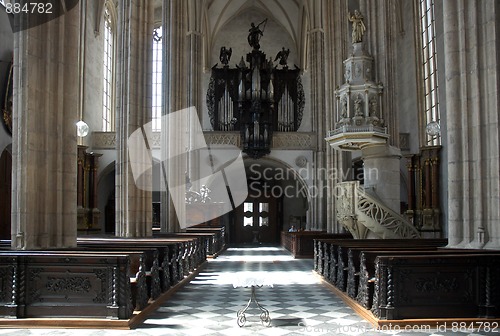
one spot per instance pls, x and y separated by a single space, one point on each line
133 111
381 34
336 47
194 71
44 141
472 134
382 174
317 60
175 98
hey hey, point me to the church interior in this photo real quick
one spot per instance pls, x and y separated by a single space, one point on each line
147 145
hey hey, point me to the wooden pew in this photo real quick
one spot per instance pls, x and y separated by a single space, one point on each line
148 267
172 253
199 248
218 243
301 244
367 267
354 263
437 286
38 285
335 253
167 254
136 272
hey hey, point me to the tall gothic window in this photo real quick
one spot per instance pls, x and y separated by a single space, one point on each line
429 71
157 73
108 73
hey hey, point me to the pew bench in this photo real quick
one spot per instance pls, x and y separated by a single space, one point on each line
437 286
168 256
200 246
147 266
52 284
301 244
137 273
175 254
332 263
367 267
218 244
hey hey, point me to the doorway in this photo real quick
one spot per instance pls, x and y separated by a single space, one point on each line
276 193
256 221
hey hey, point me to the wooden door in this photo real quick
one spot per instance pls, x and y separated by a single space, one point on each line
256 221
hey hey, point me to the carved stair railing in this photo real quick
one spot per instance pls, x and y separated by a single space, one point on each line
365 216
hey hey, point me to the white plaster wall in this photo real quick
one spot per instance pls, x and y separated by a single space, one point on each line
407 91
93 72
296 205
406 78
290 156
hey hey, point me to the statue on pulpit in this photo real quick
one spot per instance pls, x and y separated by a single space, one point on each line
358 26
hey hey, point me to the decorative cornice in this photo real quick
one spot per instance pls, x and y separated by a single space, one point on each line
281 140
222 138
294 140
103 140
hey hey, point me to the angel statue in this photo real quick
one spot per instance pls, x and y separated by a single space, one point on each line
283 57
255 33
358 26
225 55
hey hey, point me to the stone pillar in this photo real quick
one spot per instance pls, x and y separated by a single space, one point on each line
133 111
472 134
44 141
336 50
175 98
382 174
194 76
317 60
381 34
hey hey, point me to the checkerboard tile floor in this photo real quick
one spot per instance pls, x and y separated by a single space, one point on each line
298 303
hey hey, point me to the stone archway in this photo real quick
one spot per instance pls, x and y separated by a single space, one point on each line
106 191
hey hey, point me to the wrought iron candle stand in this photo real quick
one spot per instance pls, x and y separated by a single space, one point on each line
264 315
252 280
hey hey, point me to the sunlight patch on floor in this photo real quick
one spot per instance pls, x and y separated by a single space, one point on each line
254 258
277 278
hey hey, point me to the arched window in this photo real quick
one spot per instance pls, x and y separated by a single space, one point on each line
157 73
108 124
429 77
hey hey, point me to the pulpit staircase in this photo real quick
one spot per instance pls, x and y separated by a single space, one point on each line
365 216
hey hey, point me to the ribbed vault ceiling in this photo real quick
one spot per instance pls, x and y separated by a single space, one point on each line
285 12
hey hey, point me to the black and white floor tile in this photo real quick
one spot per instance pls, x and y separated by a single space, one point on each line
298 303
